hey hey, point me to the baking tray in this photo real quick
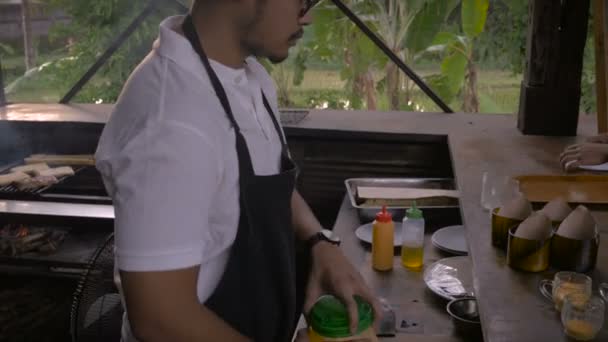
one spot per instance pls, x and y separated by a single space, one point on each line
367 211
578 189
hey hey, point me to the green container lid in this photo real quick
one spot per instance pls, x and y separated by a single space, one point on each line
414 212
329 317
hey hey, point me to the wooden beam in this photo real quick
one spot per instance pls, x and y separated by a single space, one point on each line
551 90
600 25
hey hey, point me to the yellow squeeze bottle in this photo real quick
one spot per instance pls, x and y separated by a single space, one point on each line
383 236
412 249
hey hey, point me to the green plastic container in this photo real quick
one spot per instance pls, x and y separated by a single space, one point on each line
329 317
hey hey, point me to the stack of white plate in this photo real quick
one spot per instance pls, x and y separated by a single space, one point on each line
451 239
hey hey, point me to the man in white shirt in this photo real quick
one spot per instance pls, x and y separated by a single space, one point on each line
203 186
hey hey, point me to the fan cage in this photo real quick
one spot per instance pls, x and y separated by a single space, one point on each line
96 312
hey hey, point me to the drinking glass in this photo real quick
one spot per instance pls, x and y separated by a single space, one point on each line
582 316
563 284
496 189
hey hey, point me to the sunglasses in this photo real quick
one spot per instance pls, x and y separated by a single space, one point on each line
308 5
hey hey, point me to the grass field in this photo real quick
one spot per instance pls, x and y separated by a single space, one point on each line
500 87
499 90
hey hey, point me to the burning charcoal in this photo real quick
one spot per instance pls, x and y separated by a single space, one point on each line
53 242
5 247
29 243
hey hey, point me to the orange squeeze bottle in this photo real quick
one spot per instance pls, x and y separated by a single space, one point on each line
383 235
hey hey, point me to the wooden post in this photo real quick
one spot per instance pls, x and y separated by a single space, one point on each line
551 89
600 25
28 43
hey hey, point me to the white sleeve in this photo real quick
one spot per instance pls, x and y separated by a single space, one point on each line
163 182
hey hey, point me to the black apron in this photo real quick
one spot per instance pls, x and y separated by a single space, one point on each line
257 292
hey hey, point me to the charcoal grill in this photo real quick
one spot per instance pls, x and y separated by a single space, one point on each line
85 186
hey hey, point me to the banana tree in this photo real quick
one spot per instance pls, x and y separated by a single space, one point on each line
458 69
337 41
407 27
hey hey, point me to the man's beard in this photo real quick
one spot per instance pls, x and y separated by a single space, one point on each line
256 48
261 53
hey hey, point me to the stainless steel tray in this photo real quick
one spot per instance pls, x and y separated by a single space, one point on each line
367 211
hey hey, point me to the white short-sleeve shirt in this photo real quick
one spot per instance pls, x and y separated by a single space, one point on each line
168 159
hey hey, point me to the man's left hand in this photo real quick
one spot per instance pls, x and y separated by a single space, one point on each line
333 274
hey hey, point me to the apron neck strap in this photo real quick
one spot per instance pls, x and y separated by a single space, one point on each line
192 36
245 164
275 122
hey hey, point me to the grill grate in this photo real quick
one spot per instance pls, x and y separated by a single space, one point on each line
85 185
13 190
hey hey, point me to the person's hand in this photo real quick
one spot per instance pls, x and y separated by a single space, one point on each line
599 139
584 154
333 274
302 336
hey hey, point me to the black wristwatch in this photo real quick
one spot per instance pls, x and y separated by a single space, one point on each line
322 236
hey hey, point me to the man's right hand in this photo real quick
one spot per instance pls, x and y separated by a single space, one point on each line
584 154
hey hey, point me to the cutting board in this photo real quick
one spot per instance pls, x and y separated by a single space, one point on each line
369 192
580 189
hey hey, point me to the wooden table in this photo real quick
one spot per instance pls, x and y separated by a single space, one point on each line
423 313
511 307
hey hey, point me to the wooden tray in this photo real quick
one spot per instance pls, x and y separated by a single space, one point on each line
580 189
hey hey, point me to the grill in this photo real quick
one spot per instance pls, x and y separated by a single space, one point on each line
78 206
85 186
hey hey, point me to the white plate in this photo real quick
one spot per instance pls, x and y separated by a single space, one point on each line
450 278
601 167
364 233
451 239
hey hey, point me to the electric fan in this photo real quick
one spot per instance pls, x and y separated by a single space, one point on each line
97 307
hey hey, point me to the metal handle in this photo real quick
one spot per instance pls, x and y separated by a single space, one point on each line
542 286
604 291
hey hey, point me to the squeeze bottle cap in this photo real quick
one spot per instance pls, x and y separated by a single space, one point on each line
414 212
384 216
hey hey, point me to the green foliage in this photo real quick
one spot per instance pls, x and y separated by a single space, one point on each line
504 48
474 14
423 32
427 23
588 88
333 99
406 26
6 49
94 26
458 50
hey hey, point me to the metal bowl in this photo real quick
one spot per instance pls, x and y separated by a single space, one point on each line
465 316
